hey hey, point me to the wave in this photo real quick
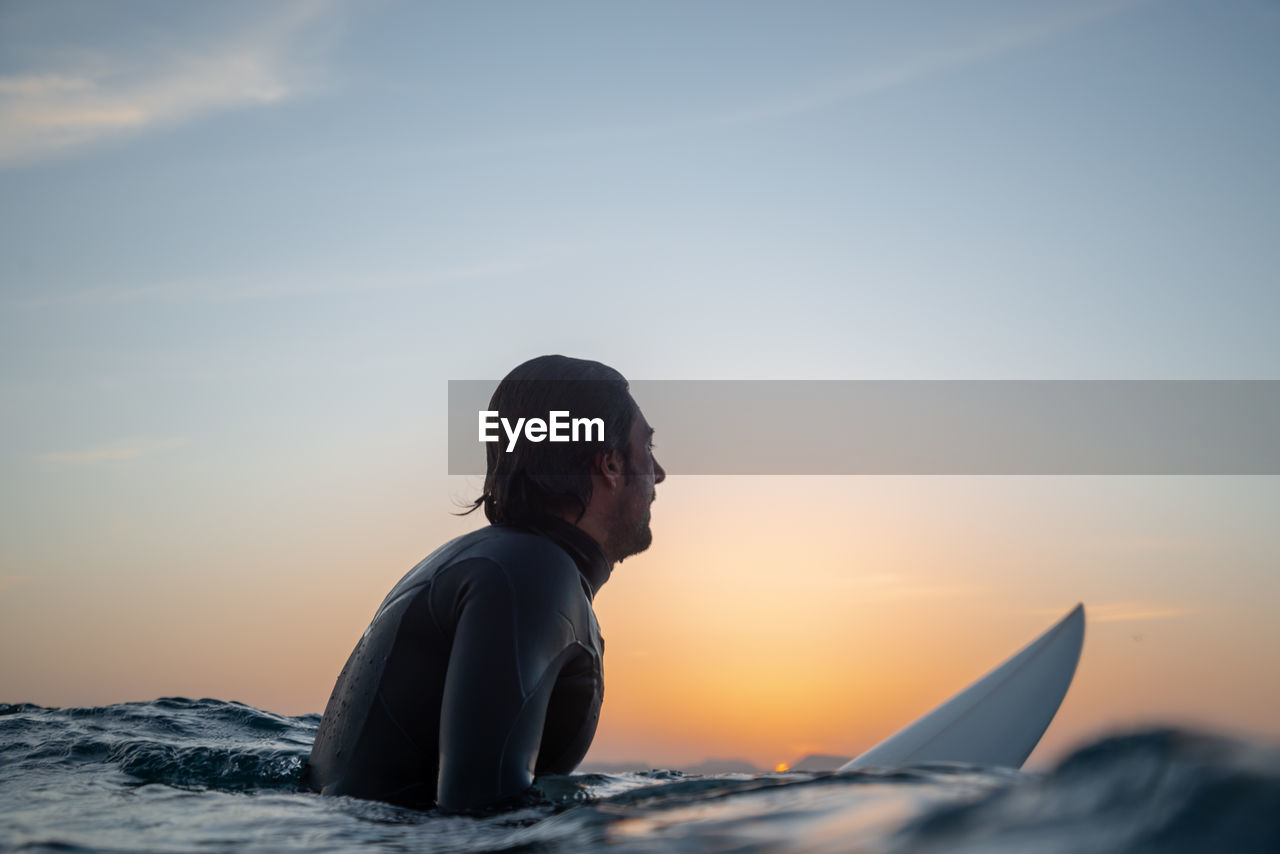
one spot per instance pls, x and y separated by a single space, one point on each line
177 774
189 744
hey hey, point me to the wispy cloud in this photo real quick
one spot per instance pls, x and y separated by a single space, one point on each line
42 85
124 450
94 97
982 43
1138 544
1124 612
295 284
1127 612
962 51
890 586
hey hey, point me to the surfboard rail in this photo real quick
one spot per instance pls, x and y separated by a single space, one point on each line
1000 718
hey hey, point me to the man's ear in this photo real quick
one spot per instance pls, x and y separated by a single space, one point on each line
609 464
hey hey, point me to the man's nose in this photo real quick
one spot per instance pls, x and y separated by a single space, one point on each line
659 473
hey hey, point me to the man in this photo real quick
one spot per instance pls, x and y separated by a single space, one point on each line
483 666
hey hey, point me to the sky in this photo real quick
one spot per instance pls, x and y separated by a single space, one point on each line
244 246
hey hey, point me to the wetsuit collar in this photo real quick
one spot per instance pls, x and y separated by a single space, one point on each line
580 545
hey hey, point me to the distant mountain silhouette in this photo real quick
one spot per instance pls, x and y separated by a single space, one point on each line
589 767
812 762
721 766
705 767
818 762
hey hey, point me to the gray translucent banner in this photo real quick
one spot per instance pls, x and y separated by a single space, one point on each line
1138 427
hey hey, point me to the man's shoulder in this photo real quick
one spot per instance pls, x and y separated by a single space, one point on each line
515 550
500 561
520 553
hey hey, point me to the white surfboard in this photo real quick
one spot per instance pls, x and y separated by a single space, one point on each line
999 719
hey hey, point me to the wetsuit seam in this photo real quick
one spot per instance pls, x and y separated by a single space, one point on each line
524 705
573 630
386 708
386 606
431 613
515 634
525 696
439 574
459 550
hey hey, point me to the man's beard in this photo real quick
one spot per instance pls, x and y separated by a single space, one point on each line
632 534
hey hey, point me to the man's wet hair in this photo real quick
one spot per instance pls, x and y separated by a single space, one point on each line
539 479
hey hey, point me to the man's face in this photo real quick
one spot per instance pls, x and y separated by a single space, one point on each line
631 534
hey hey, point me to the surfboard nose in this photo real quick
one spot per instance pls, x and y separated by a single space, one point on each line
999 719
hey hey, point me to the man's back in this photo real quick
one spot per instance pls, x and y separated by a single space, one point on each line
482 667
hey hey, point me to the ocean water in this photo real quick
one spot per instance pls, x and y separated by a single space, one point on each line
175 775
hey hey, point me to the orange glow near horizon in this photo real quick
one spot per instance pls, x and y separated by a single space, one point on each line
819 620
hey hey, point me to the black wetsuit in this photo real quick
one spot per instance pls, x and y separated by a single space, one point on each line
482 668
